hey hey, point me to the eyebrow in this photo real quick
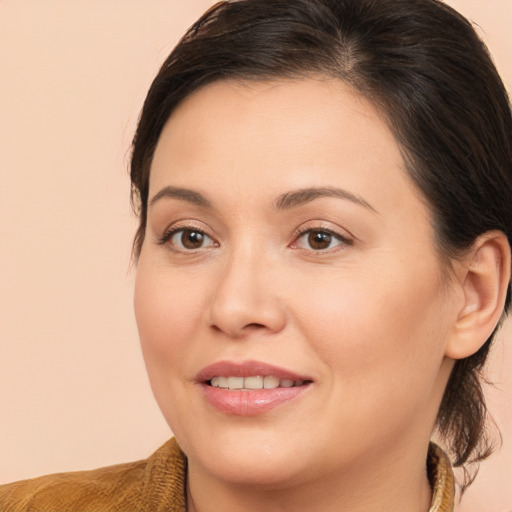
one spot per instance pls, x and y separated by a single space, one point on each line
285 201
184 194
305 195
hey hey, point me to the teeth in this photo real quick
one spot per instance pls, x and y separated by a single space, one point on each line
235 382
253 382
219 382
270 382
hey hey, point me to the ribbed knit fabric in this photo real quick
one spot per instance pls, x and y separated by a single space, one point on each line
156 484
441 479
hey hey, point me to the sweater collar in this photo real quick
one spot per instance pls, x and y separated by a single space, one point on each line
441 479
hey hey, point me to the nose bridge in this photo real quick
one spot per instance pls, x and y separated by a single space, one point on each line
245 296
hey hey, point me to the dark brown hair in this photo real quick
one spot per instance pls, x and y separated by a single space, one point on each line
423 65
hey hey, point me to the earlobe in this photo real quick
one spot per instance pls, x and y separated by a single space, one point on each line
485 281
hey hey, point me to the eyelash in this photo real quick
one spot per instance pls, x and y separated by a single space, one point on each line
168 234
301 232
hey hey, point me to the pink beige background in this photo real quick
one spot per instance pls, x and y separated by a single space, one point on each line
73 389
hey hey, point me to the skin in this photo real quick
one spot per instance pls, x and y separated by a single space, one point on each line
369 318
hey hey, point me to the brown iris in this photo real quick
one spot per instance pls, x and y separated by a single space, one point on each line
319 240
192 239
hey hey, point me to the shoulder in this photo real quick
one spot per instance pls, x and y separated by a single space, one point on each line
84 490
127 487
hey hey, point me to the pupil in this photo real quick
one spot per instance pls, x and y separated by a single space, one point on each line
192 239
319 240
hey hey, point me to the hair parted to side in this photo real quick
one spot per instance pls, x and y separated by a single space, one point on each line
422 64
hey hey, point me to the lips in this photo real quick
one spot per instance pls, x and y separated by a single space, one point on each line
251 387
247 369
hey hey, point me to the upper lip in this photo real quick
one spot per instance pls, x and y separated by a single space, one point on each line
246 369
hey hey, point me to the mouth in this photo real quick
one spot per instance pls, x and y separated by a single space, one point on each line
253 382
250 388
250 375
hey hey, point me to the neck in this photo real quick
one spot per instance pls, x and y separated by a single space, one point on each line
397 483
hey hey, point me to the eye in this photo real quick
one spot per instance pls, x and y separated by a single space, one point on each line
320 240
187 239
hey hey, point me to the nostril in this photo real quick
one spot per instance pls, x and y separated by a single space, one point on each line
239 333
254 326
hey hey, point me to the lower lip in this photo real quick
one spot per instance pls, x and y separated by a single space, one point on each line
250 403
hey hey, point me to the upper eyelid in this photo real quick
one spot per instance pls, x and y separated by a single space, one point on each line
334 234
168 232
187 224
320 229
318 225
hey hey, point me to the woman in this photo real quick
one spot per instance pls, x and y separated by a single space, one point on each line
323 260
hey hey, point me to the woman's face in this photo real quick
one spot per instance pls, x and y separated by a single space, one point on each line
285 240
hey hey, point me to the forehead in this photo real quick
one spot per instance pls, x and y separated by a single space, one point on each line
283 134
325 107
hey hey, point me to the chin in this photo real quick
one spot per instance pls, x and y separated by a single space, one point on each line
254 471
252 458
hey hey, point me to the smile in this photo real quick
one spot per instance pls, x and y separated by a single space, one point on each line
250 388
253 382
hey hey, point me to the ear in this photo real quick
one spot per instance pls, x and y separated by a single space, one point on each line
484 277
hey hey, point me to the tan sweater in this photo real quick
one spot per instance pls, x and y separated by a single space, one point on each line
156 484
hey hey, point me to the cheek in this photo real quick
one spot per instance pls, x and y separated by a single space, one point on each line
377 328
167 313
381 345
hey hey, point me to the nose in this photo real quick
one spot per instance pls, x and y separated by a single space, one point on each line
245 297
